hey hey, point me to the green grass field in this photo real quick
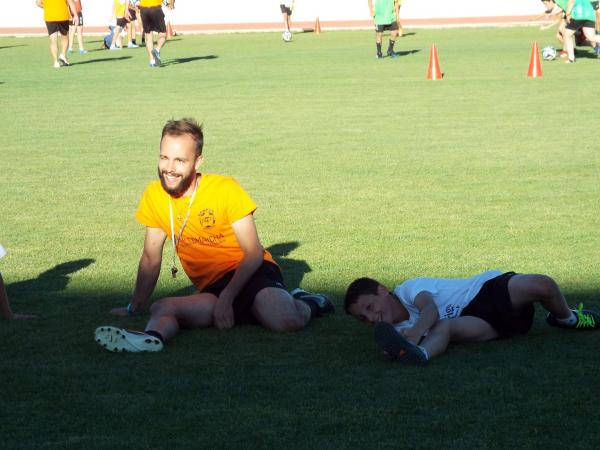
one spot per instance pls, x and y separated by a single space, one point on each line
359 167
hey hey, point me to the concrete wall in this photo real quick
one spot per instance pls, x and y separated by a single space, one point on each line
24 13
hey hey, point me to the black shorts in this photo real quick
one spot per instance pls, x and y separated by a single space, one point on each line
493 305
62 27
267 275
153 19
285 9
132 15
79 22
122 22
579 24
389 27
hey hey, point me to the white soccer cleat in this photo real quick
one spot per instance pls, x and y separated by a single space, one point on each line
116 339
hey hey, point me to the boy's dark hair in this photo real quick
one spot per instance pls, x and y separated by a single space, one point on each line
187 125
361 286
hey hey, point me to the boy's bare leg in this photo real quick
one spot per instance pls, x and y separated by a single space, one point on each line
459 329
525 290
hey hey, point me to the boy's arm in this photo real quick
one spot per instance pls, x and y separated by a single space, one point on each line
428 316
40 3
371 10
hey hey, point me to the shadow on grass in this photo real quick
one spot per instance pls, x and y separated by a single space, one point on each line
89 61
406 52
172 62
52 280
11 46
412 33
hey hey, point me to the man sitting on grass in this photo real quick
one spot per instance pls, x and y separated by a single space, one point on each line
209 219
416 321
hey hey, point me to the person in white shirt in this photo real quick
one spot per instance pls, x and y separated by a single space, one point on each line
420 317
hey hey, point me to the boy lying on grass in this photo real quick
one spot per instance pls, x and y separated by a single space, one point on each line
418 320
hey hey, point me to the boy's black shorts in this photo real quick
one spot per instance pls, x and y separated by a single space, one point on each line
493 305
267 275
62 27
122 22
389 27
285 9
578 24
153 19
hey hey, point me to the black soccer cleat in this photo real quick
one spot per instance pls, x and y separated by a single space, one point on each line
323 303
396 346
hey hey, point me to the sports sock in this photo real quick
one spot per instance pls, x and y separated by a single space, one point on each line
156 334
424 351
572 320
378 47
313 305
391 46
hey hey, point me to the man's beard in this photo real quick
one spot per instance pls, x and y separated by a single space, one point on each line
180 188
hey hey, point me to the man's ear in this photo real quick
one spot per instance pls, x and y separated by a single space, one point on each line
383 291
199 161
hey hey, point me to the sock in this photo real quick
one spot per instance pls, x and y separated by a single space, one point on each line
378 48
424 351
391 46
312 304
572 320
156 334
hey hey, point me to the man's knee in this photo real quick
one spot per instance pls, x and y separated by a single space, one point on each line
161 307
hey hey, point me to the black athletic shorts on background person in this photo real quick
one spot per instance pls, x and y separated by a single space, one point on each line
285 9
493 305
132 15
267 275
122 22
578 24
62 27
153 19
389 27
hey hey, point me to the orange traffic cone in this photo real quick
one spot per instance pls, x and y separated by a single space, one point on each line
317 26
169 30
433 71
535 68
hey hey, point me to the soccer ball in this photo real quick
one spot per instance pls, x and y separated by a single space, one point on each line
286 36
549 53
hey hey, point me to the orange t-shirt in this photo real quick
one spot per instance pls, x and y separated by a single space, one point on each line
56 11
208 248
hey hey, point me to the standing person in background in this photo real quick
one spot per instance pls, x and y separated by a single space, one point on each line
385 16
580 15
57 15
5 308
77 28
153 19
286 11
121 12
132 24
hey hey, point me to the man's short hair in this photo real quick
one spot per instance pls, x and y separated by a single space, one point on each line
361 286
187 125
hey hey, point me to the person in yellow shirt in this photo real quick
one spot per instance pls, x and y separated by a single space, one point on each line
58 14
153 20
209 220
121 24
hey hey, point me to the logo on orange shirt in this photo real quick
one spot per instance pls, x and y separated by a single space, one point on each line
207 218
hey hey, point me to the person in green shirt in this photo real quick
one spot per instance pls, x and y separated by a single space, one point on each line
385 14
579 15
